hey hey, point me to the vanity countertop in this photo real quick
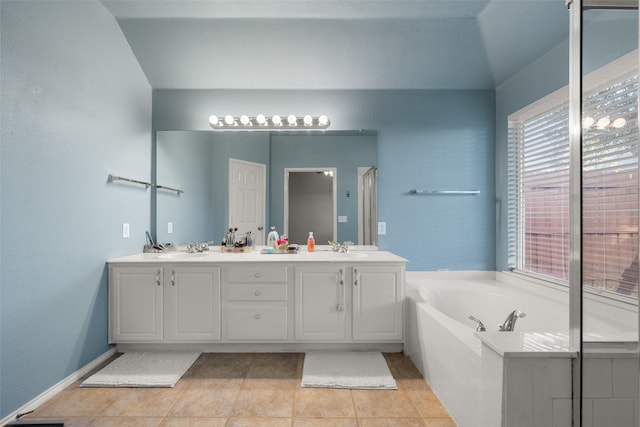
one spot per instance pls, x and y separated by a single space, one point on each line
214 255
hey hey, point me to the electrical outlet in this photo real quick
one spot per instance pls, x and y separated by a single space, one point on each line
170 227
382 228
125 231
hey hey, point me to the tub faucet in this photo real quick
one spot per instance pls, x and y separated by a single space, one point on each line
481 327
510 323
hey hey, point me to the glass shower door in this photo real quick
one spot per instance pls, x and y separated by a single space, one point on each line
608 208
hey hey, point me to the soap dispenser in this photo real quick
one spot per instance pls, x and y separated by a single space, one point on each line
311 242
272 238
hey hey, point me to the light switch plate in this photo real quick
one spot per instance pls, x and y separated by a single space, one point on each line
170 227
125 231
382 228
342 218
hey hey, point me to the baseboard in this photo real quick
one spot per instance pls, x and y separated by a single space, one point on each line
387 347
57 388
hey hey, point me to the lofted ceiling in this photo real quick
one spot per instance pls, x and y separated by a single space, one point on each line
337 44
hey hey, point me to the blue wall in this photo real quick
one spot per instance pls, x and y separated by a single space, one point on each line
197 162
436 139
183 160
344 152
75 107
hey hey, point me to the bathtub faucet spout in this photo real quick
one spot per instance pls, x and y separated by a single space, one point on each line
480 327
510 323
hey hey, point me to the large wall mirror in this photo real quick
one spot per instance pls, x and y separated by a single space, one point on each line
206 164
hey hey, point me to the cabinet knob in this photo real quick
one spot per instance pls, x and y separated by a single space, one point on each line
257 293
257 275
257 316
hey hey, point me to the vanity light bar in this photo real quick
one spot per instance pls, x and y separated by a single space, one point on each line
275 122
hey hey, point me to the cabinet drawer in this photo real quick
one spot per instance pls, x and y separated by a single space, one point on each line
256 274
256 323
257 292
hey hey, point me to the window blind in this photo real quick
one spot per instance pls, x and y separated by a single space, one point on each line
542 191
538 194
610 186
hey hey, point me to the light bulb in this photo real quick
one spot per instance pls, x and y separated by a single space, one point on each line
261 119
323 120
292 120
228 119
308 120
603 123
244 119
213 120
619 122
276 120
588 122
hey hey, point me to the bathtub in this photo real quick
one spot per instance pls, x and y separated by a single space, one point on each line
443 343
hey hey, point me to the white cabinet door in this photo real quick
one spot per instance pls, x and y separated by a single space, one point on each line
320 303
192 311
377 303
135 304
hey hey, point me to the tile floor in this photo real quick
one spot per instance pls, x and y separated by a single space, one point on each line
251 389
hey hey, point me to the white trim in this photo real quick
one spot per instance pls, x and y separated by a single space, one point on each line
60 386
361 172
390 346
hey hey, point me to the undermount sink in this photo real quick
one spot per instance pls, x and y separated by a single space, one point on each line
356 254
181 255
347 255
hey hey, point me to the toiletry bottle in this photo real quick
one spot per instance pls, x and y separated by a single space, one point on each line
272 238
311 243
230 238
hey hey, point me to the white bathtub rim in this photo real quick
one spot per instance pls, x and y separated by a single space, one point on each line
603 308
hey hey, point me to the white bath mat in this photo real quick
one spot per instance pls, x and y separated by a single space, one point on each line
351 369
144 369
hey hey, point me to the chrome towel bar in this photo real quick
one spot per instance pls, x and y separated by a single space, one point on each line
113 178
444 192
177 190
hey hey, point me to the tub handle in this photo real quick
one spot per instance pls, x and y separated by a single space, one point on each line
481 327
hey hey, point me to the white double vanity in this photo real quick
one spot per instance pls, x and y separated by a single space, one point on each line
257 302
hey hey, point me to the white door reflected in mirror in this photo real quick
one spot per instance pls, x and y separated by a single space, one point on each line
247 192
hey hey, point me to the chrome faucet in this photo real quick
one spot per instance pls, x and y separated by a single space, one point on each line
510 322
342 248
194 247
481 327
